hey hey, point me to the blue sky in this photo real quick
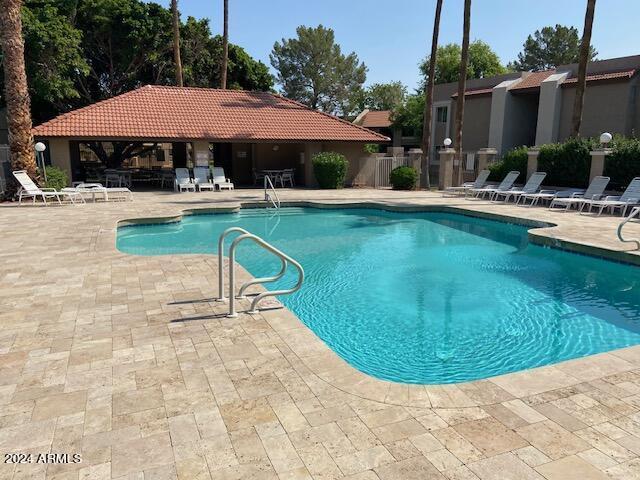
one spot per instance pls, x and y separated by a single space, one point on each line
391 37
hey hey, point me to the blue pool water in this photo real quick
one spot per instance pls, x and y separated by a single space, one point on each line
426 297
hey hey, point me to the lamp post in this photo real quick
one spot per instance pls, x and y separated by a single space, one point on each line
605 138
447 142
40 148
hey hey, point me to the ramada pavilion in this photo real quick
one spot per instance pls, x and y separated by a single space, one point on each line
182 127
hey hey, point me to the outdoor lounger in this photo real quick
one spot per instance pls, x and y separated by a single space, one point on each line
480 182
532 186
183 181
220 180
30 189
505 185
594 192
629 198
201 178
97 189
547 195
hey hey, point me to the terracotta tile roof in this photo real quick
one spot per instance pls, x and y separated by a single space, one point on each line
475 91
533 80
604 76
377 119
168 113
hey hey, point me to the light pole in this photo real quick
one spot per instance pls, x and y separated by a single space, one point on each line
40 148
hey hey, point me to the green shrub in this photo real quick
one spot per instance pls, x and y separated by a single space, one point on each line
56 178
623 164
567 164
371 148
330 169
403 178
515 159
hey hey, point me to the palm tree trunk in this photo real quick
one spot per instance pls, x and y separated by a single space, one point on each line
176 42
225 46
462 81
428 104
578 103
16 90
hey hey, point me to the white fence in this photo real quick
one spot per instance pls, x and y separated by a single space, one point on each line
373 171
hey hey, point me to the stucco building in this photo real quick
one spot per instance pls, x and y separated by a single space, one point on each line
239 130
526 108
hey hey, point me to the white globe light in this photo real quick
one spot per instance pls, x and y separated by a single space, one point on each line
606 137
40 147
447 142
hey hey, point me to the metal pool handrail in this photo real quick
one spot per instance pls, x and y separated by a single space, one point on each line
634 213
284 258
267 197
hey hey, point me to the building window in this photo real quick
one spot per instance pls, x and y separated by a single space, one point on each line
441 114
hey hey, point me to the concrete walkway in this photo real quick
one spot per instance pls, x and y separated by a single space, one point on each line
128 362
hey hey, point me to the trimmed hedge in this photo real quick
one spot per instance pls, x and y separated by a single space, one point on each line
330 169
515 159
56 178
623 164
403 178
567 164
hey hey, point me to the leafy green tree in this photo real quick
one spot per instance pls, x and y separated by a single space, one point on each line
410 115
550 47
384 96
483 62
53 57
313 70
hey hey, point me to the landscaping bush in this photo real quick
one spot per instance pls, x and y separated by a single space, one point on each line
403 178
330 169
371 148
567 164
623 164
56 178
515 159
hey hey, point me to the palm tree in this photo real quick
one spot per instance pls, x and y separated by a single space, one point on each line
578 103
16 90
462 81
176 41
428 104
225 46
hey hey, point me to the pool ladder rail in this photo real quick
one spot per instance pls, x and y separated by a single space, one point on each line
634 213
284 258
269 189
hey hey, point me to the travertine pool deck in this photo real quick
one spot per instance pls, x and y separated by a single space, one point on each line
131 363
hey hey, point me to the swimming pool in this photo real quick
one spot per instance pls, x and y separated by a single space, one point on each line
426 297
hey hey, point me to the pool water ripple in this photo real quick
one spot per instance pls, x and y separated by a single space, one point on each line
426 297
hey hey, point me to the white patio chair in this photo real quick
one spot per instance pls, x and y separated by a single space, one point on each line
201 178
287 175
220 180
547 195
258 176
480 182
506 184
183 181
629 198
30 189
532 186
594 191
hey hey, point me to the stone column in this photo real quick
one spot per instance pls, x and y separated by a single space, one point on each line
598 157
445 172
415 157
532 161
486 156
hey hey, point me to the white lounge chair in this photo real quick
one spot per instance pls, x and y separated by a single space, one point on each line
201 178
183 181
107 193
505 185
480 182
629 198
220 180
30 189
594 191
547 195
532 186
